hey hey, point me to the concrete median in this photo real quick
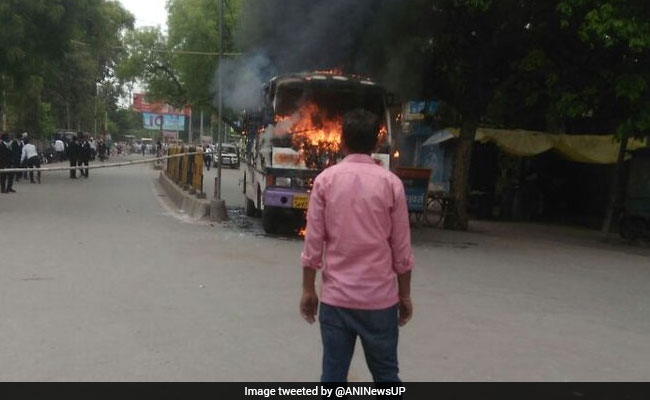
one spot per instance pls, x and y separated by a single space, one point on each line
189 204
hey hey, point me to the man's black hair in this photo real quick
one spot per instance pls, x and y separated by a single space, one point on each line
26 140
360 131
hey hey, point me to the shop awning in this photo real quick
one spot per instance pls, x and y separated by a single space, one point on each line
592 149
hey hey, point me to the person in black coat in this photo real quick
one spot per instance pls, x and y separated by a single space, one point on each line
17 151
84 156
74 151
6 161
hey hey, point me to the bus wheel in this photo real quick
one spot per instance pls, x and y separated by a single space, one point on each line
244 185
268 220
250 208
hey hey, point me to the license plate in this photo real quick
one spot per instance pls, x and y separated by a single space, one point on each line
300 202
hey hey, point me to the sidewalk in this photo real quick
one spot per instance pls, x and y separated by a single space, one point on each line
488 231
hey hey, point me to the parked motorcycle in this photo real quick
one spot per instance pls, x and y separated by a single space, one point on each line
47 157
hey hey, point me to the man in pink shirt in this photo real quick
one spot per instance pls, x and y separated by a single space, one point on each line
358 235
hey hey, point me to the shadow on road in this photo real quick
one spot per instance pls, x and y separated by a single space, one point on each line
238 221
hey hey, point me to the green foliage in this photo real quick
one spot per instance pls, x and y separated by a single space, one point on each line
147 61
168 73
619 31
53 54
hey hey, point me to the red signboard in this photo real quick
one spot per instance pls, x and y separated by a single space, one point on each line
170 135
140 104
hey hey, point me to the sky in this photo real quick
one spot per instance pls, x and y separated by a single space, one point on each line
147 12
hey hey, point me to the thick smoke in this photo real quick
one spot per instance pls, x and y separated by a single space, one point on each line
242 80
282 36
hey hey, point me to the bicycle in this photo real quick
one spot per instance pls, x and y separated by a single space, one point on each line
436 208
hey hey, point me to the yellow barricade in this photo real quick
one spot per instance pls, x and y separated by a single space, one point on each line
198 171
186 170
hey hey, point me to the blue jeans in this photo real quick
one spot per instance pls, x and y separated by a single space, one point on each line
378 330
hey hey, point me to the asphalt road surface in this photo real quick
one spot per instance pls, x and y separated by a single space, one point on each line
100 280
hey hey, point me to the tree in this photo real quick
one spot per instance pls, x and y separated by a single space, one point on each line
524 64
179 68
471 48
52 55
620 31
148 60
32 32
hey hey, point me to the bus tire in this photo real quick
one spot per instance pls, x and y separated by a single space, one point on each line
269 220
244 185
250 208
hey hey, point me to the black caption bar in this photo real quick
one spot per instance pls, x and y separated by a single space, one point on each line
262 391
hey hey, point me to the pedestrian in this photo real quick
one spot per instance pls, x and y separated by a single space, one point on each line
6 161
93 148
84 156
17 151
101 150
25 136
358 235
30 159
143 149
73 156
59 149
207 157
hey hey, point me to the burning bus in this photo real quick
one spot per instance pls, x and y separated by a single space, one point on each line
297 134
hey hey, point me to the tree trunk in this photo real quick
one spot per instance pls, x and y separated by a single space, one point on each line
617 189
457 217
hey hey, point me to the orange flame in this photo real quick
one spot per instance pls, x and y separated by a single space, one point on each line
316 135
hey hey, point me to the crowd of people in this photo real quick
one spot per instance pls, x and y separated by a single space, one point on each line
60 147
17 152
143 148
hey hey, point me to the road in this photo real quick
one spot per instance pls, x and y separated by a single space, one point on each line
102 281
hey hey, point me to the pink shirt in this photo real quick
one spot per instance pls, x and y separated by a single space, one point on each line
358 233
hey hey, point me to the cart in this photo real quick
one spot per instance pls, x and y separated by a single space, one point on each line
425 206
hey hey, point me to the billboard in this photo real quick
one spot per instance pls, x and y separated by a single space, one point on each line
170 122
140 104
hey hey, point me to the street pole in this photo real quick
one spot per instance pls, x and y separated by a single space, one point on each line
4 105
220 99
189 133
95 113
218 211
201 129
